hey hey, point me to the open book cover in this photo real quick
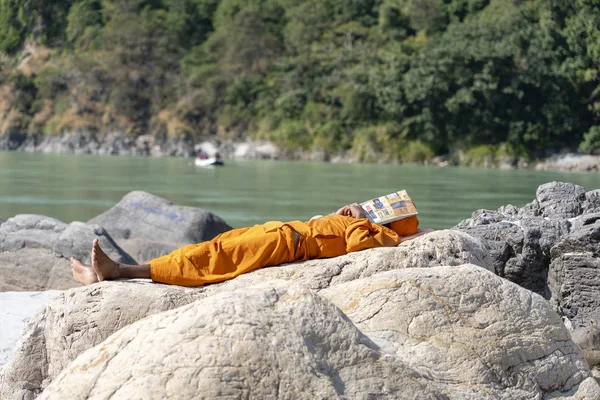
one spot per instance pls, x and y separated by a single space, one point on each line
384 209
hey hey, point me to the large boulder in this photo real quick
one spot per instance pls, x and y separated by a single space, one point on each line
481 335
444 332
98 305
519 244
549 246
560 200
35 251
76 320
273 341
148 226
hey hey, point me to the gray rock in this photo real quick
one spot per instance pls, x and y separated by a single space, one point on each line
11 140
94 305
177 146
582 222
76 240
586 390
148 226
273 341
77 142
114 143
28 230
574 275
592 202
254 150
443 332
561 200
570 162
35 251
588 339
519 246
481 335
118 143
530 210
549 246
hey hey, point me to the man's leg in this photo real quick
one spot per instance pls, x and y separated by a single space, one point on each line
83 273
223 258
226 257
106 269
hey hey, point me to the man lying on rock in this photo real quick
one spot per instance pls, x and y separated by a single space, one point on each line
245 249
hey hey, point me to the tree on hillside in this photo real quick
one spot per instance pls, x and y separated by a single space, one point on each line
44 21
494 79
384 79
582 29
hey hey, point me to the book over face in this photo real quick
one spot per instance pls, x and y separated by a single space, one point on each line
385 209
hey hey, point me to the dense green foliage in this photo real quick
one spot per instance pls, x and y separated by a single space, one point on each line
385 79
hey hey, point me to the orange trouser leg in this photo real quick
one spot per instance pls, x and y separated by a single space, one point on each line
180 252
225 257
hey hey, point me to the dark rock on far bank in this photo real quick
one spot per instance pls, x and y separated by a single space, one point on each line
85 142
118 143
570 162
148 226
12 141
35 251
550 246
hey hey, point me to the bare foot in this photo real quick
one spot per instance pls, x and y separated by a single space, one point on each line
105 268
83 273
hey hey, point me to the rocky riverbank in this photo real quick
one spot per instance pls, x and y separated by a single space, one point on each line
82 142
505 305
147 145
570 162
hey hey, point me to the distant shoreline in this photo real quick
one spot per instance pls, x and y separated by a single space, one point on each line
149 146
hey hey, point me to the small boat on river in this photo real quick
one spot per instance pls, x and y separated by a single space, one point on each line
208 162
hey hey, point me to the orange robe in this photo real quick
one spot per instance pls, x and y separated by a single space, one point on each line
242 250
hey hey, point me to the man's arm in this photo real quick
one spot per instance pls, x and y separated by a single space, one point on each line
351 210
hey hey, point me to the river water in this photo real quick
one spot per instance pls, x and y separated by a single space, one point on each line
79 187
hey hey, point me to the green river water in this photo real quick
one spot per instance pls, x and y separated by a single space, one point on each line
79 187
